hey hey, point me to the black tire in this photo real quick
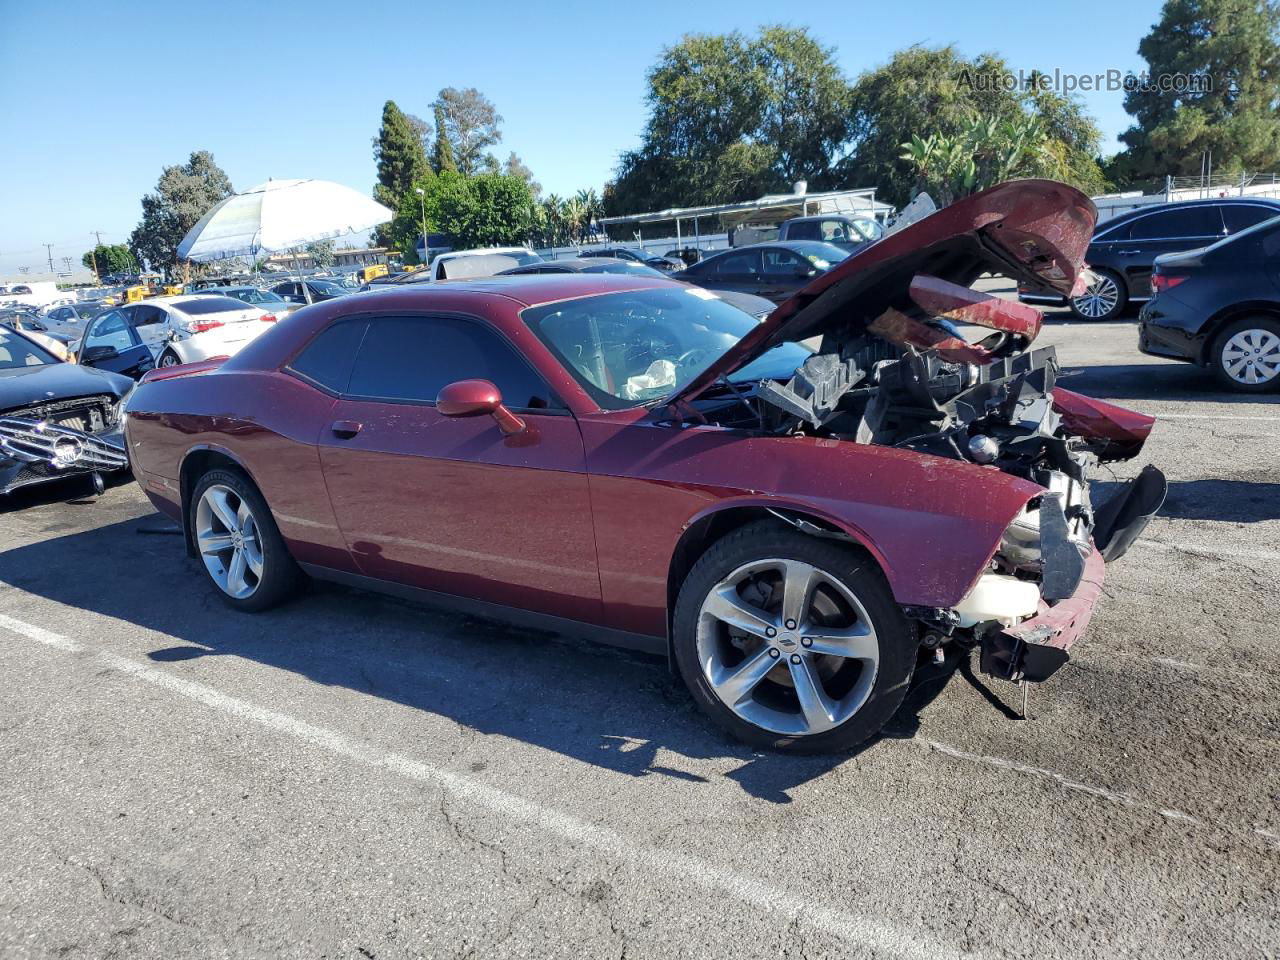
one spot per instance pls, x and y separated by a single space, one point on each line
851 567
1219 347
1086 307
281 576
168 359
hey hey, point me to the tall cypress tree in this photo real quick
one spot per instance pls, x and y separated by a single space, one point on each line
1236 44
442 154
398 152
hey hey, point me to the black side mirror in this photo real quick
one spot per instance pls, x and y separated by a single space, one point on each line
94 354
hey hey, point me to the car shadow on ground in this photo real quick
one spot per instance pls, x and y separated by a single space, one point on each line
1238 501
1155 381
616 710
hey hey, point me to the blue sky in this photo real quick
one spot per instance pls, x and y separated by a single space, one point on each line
95 98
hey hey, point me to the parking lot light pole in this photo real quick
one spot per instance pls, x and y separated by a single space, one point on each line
422 200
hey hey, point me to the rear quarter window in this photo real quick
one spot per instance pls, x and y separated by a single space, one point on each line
327 360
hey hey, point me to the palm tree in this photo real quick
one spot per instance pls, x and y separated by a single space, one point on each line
575 217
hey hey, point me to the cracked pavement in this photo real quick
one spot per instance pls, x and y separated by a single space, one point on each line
353 776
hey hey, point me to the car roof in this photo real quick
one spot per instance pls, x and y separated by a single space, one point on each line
1184 204
533 289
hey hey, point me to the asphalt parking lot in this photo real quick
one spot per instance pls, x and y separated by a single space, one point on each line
352 776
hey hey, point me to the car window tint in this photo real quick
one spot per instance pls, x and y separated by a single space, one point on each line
327 359
412 358
1175 224
783 263
145 316
1241 216
743 264
804 230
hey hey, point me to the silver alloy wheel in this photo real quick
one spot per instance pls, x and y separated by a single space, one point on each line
1252 356
228 541
787 647
169 360
1099 299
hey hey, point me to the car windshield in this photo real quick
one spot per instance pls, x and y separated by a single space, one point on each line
822 255
629 348
328 287
17 351
260 296
629 267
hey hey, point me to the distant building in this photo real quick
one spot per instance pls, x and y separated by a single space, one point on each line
342 258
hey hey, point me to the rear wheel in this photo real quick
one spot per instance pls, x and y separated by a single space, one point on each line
1104 299
168 359
1246 355
238 542
792 642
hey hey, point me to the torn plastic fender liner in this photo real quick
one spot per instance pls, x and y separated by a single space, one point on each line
1035 649
1118 522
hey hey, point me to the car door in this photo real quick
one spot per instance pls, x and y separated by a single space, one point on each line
451 504
1166 231
151 322
112 343
784 272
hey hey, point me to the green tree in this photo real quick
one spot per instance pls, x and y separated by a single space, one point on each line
183 195
442 153
923 93
472 125
487 210
1235 44
110 258
515 167
732 116
322 252
401 160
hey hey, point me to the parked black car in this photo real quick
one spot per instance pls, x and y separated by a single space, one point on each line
771 270
291 290
1219 307
665 264
56 419
758 307
1124 248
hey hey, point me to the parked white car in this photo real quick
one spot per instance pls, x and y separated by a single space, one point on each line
167 331
483 262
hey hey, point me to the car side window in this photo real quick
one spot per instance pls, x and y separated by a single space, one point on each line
745 263
145 316
326 361
110 330
1241 216
412 358
784 263
1177 224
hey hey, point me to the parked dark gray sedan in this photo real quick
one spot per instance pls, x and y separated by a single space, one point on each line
771 270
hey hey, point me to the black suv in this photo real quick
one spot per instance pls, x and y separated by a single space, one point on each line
1219 307
1124 248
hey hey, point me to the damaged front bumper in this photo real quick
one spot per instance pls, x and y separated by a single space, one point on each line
35 451
1034 649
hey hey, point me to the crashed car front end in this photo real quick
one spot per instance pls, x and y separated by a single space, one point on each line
49 441
893 371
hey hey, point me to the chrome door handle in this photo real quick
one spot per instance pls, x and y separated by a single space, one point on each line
345 429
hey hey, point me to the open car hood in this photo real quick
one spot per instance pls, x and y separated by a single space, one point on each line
1032 230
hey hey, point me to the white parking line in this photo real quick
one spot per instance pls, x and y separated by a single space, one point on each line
1208 416
875 934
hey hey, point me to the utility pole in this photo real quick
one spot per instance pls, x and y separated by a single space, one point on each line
93 257
66 262
48 249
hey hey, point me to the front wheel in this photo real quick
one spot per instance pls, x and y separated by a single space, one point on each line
1246 355
792 642
1104 299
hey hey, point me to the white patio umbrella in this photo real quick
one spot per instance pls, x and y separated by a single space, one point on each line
280 215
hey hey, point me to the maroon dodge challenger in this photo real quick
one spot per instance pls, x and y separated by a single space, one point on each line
793 511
